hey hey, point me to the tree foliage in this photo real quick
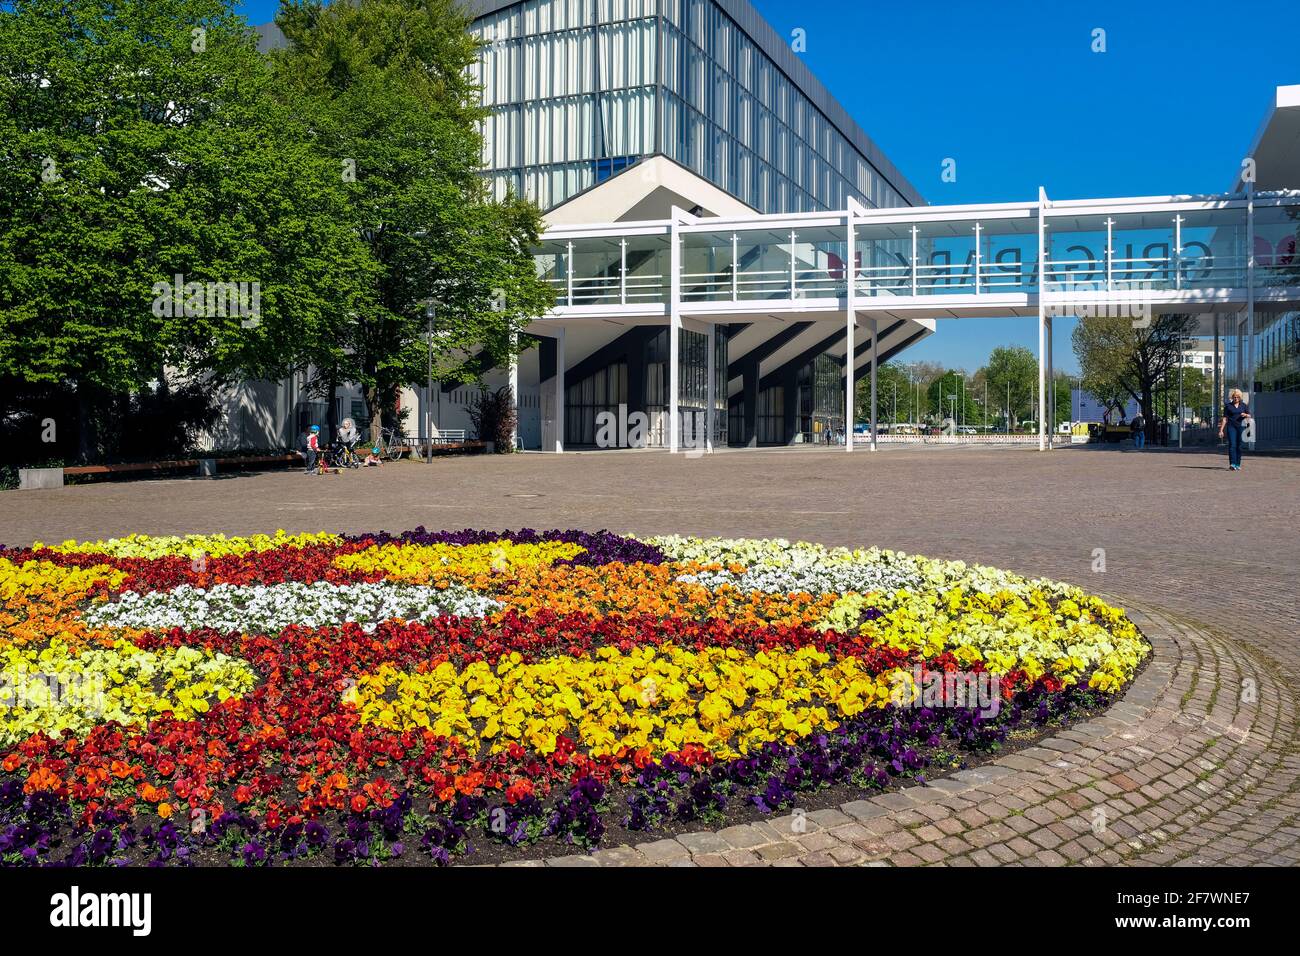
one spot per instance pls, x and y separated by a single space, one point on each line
1121 358
147 139
384 84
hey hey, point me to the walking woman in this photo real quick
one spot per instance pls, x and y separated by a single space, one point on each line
1235 416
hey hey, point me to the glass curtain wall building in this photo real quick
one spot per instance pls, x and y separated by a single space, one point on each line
582 91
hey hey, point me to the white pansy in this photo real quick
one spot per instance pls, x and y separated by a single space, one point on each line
269 608
775 566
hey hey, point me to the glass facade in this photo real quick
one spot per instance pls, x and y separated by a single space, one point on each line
581 89
1278 345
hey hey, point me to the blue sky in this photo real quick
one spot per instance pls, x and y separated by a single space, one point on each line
1012 91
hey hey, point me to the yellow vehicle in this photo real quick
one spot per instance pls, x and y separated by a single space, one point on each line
1100 432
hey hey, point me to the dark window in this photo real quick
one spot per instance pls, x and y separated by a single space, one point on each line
612 166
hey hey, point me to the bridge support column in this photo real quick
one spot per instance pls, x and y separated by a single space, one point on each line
851 319
875 360
559 392
1042 320
711 392
1050 419
749 401
848 382
674 332
1216 400
552 369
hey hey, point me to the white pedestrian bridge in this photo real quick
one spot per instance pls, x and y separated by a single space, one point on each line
868 282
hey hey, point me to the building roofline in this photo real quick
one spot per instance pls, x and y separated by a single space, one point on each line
752 23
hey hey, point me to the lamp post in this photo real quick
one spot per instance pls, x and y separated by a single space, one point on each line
1182 344
429 311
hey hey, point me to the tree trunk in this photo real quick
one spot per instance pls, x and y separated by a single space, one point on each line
375 413
332 410
1147 403
87 434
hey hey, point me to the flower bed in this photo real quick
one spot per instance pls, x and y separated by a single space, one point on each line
439 696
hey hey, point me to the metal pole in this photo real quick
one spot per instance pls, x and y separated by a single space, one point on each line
914 261
1110 235
1180 391
1042 323
875 360
674 330
850 320
1216 399
428 396
622 271
1250 294
711 409
792 265
559 390
735 267
568 270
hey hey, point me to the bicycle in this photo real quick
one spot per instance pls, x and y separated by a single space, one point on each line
339 455
392 445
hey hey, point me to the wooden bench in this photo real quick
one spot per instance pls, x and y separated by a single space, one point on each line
447 448
182 464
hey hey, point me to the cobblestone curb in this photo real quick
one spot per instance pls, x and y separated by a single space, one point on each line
1192 767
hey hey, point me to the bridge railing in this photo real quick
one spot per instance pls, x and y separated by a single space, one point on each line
1156 245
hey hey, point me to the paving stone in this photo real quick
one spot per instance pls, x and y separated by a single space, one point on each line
743 837
662 851
703 842
1187 759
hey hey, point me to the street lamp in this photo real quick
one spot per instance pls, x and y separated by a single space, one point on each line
430 314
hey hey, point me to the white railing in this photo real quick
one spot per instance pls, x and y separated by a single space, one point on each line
1186 266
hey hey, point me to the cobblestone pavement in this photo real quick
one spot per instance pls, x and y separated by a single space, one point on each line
1199 763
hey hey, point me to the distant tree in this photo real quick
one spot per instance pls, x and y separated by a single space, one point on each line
1012 377
948 398
895 394
1121 358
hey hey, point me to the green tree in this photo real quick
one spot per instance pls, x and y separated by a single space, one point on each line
1012 378
950 395
895 395
139 143
385 87
1121 357
1064 387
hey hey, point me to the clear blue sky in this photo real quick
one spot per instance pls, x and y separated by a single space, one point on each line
1012 91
